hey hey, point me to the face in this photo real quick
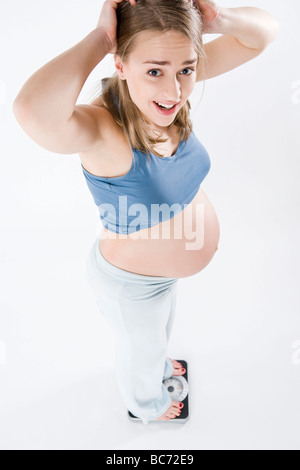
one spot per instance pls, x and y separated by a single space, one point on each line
164 83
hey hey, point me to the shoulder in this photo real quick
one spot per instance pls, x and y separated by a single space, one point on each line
102 111
108 128
111 153
97 102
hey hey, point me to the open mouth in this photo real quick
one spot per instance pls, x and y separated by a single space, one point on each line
165 110
164 107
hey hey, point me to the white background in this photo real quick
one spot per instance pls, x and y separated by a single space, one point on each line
237 320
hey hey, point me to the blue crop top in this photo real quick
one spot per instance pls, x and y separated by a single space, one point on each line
151 192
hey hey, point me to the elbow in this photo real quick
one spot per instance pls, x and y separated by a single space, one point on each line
273 30
19 109
269 32
270 36
24 114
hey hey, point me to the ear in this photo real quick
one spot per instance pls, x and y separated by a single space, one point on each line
119 66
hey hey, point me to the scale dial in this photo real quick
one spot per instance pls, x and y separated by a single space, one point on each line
177 387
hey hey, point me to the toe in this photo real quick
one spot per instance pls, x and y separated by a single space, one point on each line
176 406
176 364
176 367
173 414
180 371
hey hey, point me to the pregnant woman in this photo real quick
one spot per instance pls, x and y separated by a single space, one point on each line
143 165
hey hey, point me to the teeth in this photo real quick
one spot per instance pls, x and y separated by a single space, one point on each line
165 106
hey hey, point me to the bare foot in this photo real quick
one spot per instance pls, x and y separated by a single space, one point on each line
173 411
177 368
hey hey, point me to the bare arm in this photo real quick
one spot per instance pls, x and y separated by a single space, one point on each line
50 94
46 105
246 32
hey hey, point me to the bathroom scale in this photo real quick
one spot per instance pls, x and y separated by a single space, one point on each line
178 388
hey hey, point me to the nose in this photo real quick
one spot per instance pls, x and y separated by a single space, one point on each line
173 92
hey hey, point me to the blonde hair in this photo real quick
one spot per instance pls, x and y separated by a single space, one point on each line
154 15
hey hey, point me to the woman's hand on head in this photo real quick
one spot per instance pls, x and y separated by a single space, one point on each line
108 21
211 14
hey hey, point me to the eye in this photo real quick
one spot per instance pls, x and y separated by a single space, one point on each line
152 70
190 68
157 70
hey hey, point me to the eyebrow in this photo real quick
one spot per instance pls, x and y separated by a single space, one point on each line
164 62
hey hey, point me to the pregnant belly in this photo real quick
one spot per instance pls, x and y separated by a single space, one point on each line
179 247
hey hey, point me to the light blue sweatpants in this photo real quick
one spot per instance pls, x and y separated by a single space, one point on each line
141 311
